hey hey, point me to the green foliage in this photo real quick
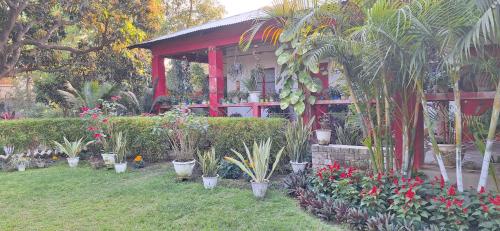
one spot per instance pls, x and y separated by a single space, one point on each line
223 133
120 146
297 136
72 149
257 165
209 162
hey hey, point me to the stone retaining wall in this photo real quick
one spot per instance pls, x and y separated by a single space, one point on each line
323 155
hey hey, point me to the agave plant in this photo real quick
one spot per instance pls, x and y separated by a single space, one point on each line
297 136
257 165
72 149
120 147
209 163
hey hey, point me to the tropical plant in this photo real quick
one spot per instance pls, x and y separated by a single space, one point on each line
297 136
184 132
251 83
91 94
72 149
120 147
257 165
209 163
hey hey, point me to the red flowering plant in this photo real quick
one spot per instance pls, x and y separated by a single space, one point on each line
98 127
340 183
484 209
375 192
407 201
448 209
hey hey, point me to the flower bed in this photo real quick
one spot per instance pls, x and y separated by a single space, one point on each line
390 202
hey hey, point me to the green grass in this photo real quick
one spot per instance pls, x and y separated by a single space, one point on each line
59 198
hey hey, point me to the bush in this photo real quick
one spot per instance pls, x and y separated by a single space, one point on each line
223 134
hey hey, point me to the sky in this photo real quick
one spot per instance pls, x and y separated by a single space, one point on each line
240 6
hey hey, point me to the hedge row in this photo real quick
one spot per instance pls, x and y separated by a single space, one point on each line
224 133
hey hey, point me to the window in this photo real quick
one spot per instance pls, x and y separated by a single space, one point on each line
268 87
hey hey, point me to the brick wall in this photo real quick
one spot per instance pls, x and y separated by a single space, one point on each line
323 155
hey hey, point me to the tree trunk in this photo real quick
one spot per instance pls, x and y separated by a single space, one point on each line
430 131
458 129
490 140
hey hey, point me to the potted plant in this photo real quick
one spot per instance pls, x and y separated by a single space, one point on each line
335 93
324 133
72 149
209 166
138 162
251 84
120 150
20 161
184 132
100 129
235 96
297 136
257 165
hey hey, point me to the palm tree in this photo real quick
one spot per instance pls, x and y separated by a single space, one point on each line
90 95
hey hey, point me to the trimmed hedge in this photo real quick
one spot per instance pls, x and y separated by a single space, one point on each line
224 133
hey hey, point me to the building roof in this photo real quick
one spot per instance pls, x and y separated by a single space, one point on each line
239 18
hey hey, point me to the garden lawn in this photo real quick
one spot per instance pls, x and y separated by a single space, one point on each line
60 198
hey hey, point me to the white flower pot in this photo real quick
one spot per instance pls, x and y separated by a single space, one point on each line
184 169
323 136
254 96
73 162
120 167
298 167
109 159
210 182
260 189
21 167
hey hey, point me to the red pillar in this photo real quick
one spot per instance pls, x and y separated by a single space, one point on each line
159 77
397 128
216 79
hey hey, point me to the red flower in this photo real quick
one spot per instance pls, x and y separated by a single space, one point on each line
418 181
97 135
379 177
396 191
91 128
343 175
495 200
441 182
458 202
482 190
85 109
373 191
320 175
395 181
448 204
465 210
485 208
94 116
452 191
410 194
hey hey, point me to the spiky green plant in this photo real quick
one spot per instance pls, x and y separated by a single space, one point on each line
120 146
72 149
257 164
297 139
209 162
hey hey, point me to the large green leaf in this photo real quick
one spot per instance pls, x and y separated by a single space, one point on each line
311 99
299 108
295 97
284 58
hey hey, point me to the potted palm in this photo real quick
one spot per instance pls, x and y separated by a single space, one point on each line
324 133
297 140
257 165
209 166
72 149
120 150
184 132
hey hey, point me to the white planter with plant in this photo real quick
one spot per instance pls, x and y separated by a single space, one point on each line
109 159
72 149
120 150
257 165
184 132
209 166
323 135
251 84
297 136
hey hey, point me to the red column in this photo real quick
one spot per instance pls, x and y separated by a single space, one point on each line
216 79
397 128
159 77
256 110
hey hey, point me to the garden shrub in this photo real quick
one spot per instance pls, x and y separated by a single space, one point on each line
224 133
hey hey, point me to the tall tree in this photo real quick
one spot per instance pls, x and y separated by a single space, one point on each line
182 14
40 35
